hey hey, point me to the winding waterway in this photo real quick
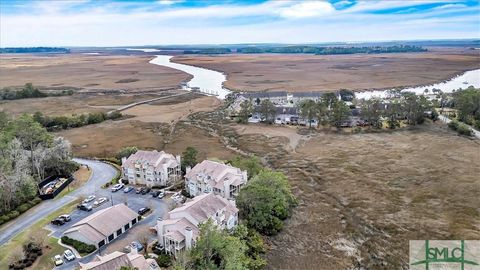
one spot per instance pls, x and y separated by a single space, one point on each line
211 82
204 80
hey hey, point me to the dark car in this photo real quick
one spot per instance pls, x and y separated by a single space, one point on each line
84 207
143 210
145 191
157 247
58 222
155 193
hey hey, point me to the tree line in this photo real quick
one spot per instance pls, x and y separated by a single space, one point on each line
52 123
408 107
29 91
28 154
208 51
333 50
34 50
330 110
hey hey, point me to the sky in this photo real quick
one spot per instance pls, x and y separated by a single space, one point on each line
168 22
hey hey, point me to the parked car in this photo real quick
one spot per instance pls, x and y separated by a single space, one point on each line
136 245
145 190
84 207
68 254
143 210
89 199
100 201
161 194
117 187
65 217
155 193
157 247
139 190
127 189
58 260
57 222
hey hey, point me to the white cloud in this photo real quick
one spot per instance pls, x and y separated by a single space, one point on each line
451 6
169 2
307 9
284 21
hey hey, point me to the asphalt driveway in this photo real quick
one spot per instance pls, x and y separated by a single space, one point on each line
101 173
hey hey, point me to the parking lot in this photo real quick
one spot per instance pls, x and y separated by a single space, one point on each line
134 201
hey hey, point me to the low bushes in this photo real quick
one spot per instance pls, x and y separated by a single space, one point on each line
461 128
164 260
19 210
78 245
53 123
31 252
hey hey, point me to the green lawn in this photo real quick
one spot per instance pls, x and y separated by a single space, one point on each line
44 262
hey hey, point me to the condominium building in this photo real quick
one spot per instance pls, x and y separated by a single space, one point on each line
178 229
151 168
211 176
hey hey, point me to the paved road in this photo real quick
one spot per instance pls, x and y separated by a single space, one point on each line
447 120
101 173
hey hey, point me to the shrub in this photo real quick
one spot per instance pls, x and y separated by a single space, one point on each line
3 219
164 260
453 125
13 215
464 130
36 200
461 128
477 124
78 245
24 207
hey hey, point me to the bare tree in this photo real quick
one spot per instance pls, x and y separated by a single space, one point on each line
38 237
16 255
144 239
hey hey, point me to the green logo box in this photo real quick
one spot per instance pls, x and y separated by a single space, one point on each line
444 255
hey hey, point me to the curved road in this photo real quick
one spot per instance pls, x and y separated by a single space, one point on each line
101 173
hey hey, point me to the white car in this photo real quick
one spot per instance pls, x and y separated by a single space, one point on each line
117 187
68 254
100 201
89 199
58 260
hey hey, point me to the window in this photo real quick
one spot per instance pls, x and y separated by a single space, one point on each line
101 243
134 221
119 232
126 227
110 237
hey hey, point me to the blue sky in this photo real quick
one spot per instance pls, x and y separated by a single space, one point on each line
163 22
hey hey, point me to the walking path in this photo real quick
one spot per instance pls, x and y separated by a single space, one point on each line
146 101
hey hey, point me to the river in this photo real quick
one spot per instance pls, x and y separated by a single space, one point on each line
211 82
204 80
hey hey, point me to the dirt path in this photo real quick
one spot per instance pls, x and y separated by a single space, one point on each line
131 105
